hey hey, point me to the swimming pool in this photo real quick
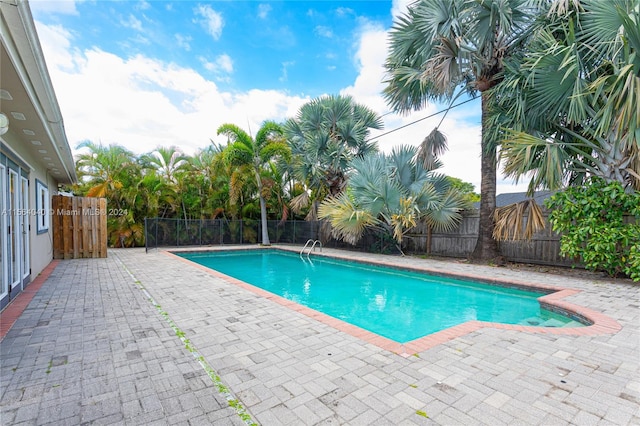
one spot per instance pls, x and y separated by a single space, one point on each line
399 305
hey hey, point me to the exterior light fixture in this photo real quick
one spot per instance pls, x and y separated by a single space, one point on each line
4 124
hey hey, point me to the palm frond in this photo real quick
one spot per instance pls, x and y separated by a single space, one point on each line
547 162
300 202
448 213
404 218
443 67
347 221
269 131
432 147
562 8
403 165
606 27
518 221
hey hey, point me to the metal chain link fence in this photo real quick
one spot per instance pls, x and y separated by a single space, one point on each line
162 232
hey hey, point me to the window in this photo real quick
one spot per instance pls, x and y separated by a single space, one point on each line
42 207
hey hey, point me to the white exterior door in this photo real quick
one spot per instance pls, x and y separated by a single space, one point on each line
13 245
24 217
4 278
15 254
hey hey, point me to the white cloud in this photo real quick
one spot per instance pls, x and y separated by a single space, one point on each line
370 59
223 64
58 42
142 103
132 22
62 7
137 39
184 41
400 7
323 31
142 5
263 10
344 11
285 70
212 21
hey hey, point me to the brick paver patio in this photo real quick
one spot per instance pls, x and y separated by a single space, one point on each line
91 347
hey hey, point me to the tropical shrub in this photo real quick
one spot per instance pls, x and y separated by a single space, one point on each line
600 225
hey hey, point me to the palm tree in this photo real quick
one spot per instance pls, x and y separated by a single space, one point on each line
441 45
170 164
113 173
326 134
256 153
392 193
570 106
167 161
105 170
208 174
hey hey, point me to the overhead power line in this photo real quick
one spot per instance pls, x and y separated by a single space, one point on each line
420 119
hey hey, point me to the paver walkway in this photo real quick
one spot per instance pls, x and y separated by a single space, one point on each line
92 347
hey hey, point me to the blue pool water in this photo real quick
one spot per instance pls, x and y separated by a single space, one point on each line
399 305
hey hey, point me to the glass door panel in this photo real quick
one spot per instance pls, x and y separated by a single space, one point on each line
13 245
4 286
24 226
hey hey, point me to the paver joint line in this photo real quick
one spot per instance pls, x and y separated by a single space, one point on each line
232 400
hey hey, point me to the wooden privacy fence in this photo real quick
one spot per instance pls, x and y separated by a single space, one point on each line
544 247
79 227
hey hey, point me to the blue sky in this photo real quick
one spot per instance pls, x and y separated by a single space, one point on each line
144 74
302 47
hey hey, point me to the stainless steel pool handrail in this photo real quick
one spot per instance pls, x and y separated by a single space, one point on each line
312 246
305 246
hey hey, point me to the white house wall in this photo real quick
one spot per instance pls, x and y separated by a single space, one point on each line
41 245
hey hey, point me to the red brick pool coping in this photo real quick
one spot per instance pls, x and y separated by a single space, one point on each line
600 323
14 309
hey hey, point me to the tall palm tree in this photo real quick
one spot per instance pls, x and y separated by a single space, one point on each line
256 153
392 193
571 105
326 134
441 45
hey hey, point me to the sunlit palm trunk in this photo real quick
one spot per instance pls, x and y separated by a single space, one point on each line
263 212
263 215
486 246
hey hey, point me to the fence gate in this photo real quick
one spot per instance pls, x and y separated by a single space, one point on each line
79 227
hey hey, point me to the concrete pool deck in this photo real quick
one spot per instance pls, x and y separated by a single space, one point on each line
92 347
